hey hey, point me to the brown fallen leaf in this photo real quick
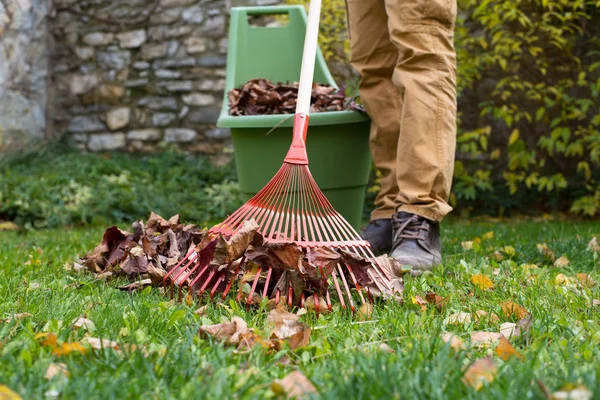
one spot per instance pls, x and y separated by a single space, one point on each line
419 302
137 285
48 339
294 385
310 304
485 339
453 340
8 226
467 245
585 280
287 328
496 256
458 318
386 348
511 309
99 344
480 373
7 393
229 332
156 272
573 392
596 302
482 281
437 301
136 262
562 279
561 262
17 317
230 250
508 329
593 245
505 350
545 251
201 311
55 369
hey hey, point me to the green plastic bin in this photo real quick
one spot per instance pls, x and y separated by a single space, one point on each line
337 142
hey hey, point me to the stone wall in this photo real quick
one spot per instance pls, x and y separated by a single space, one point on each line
23 71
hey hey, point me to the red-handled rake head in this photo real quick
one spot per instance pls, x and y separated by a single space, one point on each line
290 208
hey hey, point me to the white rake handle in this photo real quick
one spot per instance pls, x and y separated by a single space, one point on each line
308 58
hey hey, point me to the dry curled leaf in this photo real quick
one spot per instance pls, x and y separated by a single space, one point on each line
137 285
585 280
508 329
228 331
67 348
287 328
55 369
467 245
512 309
230 250
458 318
545 251
83 323
593 245
562 279
454 341
484 339
294 385
482 315
562 262
505 350
365 311
481 372
419 302
437 301
573 392
482 281
99 344
488 235
201 311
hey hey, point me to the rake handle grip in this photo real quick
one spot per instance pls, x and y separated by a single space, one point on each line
308 57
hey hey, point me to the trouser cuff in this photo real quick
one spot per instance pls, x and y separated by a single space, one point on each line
423 212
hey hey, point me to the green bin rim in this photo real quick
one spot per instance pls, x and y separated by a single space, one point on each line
284 120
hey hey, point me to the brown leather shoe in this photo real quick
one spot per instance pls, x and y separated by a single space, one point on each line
416 241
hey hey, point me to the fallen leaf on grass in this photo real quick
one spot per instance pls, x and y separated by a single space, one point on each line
419 302
201 311
596 302
482 281
84 323
497 256
562 262
137 285
439 303
585 280
458 318
230 250
505 350
508 329
227 331
593 245
488 235
545 251
386 348
481 372
56 369
484 339
48 339
67 348
562 279
572 392
8 226
467 245
16 317
7 393
509 251
454 341
294 385
365 311
511 309
99 344
287 328
481 315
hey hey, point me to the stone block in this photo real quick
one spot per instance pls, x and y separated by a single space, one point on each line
113 59
194 45
106 141
159 103
98 39
176 86
193 15
175 3
217 133
204 115
212 61
163 119
167 16
85 53
151 51
163 32
83 123
118 118
80 83
144 135
198 99
180 135
167 74
132 39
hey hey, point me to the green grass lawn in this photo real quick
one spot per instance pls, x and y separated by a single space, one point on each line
343 359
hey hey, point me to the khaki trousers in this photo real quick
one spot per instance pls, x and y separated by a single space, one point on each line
404 52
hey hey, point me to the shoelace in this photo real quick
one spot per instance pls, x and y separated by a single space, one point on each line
410 228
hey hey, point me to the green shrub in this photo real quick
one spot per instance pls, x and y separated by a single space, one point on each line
529 115
59 186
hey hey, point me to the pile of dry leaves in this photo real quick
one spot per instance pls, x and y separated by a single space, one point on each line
156 247
260 97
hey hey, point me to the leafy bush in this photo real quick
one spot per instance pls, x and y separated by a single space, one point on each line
59 186
529 85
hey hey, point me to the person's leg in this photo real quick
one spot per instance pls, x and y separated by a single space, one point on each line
374 57
423 32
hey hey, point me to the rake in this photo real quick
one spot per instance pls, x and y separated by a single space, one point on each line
290 208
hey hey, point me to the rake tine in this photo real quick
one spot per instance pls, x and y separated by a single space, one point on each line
302 300
179 270
183 280
277 296
328 300
290 294
346 287
264 293
231 281
207 281
337 288
212 292
355 283
316 298
249 301
190 256
198 276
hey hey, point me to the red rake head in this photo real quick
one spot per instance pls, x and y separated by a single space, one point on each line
290 208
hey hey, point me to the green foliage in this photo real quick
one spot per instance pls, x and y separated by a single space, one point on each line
529 85
59 186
